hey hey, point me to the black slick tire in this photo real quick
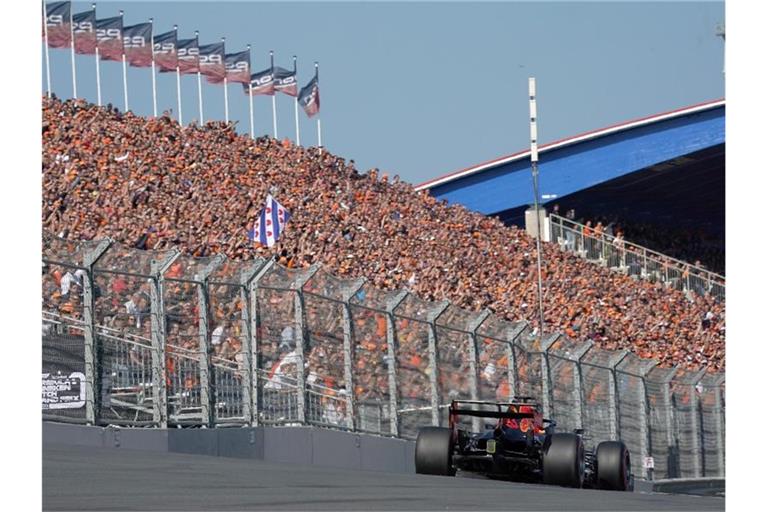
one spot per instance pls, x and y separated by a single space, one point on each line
434 450
613 466
564 460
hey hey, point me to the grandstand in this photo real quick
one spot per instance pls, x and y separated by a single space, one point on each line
152 184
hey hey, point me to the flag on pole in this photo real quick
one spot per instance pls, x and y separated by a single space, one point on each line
85 32
137 41
262 82
270 224
188 53
109 38
212 62
238 67
309 97
57 19
166 56
285 81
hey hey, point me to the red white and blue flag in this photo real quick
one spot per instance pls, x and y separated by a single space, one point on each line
309 97
188 53
212 62
57 21
285 81
166 58
84 28
262 82
270 224
238 66
109 38
137 42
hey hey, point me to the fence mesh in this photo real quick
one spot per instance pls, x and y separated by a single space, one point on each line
300 316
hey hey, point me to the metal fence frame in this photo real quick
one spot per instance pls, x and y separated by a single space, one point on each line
674 416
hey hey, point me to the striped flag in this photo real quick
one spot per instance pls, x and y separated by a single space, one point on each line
270 224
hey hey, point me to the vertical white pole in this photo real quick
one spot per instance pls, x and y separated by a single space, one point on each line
319 136
250 108
154 83
72 47
199 85
535 176
274 93
296 105
125 67
226 96
47 56
98 76
98 67
178 78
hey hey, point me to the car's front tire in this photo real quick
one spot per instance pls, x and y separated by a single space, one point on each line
613 466
434 451
564 460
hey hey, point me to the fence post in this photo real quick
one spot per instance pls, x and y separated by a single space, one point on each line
253 350
546 378
513 335
207 392
434 382
673 462
301 342
473 326
698 459
159 390
348 342
718 414
91 354
578 355
394 416
613 393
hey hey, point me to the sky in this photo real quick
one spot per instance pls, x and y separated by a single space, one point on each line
421 89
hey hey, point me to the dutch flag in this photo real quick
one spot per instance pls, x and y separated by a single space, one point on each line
270 224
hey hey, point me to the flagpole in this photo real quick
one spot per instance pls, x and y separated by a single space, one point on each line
199 83
250 94
226 96
274 93
72 40
296 105
319 130
125 67
47 56
154 83
98 67
178 77
535 176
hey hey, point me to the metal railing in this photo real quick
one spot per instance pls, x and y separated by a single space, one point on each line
141 338
634 260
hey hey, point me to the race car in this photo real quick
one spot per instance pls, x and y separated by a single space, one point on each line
522 446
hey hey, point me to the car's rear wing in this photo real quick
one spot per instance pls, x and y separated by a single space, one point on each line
492 409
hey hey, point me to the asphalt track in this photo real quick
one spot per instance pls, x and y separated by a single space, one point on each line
88 478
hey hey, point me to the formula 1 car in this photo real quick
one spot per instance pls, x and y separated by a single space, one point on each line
521 446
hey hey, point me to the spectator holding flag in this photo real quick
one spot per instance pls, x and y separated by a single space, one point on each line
270 223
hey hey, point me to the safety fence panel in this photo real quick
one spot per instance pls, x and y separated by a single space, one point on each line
686 404
563 364
661 423
413 369
495 357
632 417
599 411
280 346
455 373
529 360
370 360
712 425
324 355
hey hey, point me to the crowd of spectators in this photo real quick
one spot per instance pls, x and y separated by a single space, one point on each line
698 247
152 184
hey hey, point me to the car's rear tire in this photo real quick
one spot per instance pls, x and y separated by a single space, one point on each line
434 451
564 460
613 466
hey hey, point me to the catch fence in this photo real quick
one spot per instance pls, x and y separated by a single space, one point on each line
158 339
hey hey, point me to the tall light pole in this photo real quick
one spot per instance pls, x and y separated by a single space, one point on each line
720 32
535 175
